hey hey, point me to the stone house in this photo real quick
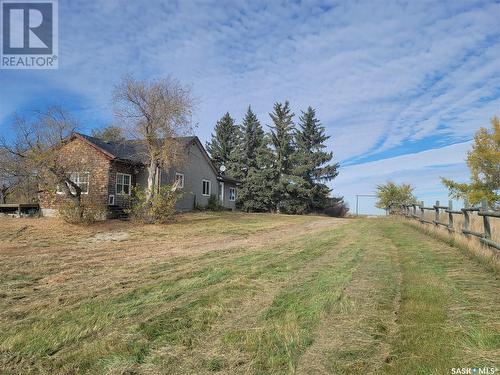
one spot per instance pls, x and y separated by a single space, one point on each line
112 169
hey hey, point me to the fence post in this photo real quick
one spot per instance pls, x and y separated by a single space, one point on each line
414 210
466 217
486 220
421 211
450 215
436 216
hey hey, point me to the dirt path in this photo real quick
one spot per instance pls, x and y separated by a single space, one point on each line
353 336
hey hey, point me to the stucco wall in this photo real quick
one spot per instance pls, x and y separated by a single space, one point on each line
195 169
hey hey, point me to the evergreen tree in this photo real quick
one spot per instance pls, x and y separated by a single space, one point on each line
311 160
258 185
223 144
254 166
289 191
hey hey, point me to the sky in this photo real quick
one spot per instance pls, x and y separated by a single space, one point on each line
401 87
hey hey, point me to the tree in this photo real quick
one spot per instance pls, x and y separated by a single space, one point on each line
157 112
33 153
393 195
9 177
222 146
286 186
484 165
254 162
110 133
311 160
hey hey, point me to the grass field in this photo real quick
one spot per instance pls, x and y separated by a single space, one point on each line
234 293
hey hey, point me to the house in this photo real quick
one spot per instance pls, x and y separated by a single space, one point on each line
112 169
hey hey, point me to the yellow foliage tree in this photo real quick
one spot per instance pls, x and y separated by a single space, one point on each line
484 164
393 195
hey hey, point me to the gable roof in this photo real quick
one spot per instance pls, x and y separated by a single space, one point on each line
134 151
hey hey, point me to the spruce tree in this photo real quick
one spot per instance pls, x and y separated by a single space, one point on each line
289 192
258 184
254 161
312 160
222 146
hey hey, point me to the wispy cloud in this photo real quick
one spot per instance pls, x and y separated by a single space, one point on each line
422 169
386 80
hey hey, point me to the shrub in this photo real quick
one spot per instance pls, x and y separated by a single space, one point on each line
88 213
160 209
199 207
213 203
340 209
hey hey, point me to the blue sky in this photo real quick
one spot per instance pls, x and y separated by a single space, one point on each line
400 86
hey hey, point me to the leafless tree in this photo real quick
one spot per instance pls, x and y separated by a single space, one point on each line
32 152
155 112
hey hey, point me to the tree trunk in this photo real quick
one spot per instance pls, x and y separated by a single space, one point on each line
77 201
3 197
76 197
152 171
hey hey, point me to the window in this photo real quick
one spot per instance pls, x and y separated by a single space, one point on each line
179 178
232 194
206 188
79 178
123 183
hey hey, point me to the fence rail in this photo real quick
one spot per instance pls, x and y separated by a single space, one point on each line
417 211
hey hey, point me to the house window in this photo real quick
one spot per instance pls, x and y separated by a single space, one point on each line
232 194
79 178
179 179
206 188
123 183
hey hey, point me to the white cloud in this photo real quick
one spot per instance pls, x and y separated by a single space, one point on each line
423 170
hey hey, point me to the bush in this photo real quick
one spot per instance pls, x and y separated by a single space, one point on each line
338 210
160 209
213 203
88 213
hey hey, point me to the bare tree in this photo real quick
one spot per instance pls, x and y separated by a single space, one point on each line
109 133
33 153
155 112
7 177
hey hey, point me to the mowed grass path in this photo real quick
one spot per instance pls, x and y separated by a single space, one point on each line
241 294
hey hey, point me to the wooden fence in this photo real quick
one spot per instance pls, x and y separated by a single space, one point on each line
417 211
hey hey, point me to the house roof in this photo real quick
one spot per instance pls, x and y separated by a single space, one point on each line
134 151
127 150
223 177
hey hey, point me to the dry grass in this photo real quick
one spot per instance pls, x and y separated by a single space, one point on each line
240 294
471 244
